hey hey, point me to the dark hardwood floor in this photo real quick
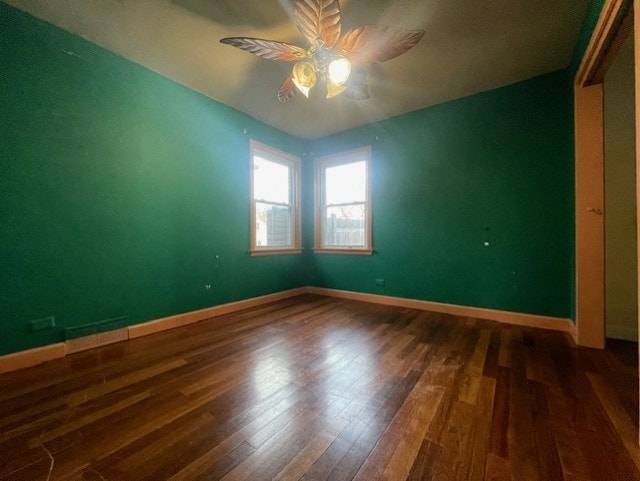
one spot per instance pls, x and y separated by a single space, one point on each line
315 388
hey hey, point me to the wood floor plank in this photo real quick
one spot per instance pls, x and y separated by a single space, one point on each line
497 469
213 460
391 404
504 356
315 388
422 412
453 460
478 447
472 374
624 425
426 462
522 450
413 420
490 368
549 465
498 443
301 463
561 415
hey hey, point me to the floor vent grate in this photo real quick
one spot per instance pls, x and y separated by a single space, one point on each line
96 340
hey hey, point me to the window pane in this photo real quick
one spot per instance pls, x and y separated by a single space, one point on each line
345 183
271 181
344 225
273 225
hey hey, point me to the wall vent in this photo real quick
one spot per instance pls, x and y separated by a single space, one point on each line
96 340
101 333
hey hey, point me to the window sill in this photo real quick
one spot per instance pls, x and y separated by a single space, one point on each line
274 252
342 250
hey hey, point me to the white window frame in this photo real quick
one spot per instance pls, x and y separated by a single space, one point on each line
293 163
321 164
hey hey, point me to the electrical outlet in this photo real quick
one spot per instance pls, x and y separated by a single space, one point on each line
379 282
42 324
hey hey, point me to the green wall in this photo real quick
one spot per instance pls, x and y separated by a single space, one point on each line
122 193
495 167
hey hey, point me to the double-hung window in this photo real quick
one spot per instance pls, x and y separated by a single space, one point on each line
275 201
343 204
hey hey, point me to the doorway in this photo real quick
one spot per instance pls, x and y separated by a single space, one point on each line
621 259
618 20
615 25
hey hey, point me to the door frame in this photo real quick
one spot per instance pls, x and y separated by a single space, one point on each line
614 25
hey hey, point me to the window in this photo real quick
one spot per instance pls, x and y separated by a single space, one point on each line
275 211
343 204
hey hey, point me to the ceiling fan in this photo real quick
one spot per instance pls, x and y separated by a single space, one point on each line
332 59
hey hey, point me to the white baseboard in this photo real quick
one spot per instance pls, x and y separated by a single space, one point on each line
172 322
32 357
507 317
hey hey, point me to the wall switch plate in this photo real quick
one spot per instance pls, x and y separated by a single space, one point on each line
379 282
42 324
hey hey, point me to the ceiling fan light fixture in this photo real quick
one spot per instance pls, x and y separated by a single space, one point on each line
303 90
331 52
304 77
334 90
339 71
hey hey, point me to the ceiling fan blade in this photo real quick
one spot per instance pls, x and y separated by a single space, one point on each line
376 43
318 20
269 49
287 89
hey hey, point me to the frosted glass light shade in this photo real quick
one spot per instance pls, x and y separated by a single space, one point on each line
304 77
339 71
334 90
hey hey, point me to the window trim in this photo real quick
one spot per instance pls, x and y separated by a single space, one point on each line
321 163
296 248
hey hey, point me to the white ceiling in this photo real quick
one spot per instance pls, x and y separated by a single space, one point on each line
469 46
